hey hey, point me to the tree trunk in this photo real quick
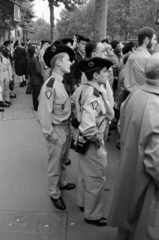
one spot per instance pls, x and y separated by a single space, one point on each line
100 25
52 19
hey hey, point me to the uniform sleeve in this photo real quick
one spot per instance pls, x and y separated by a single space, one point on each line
45 108
88 126
151 160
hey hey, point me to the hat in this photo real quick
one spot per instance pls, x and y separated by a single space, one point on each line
82 38
94 63
45 41
7 43
64 41
128 47
55 49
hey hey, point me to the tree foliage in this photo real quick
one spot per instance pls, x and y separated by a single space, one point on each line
80 21
41 30
125 18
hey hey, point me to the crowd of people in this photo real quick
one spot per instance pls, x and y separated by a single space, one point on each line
81 89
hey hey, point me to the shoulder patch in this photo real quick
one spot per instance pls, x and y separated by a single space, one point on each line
96 92
48 94
50 82
95 104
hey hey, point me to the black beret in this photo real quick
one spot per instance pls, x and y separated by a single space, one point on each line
128 47
7 43
64 41
94 63
55 49
82 38
45 41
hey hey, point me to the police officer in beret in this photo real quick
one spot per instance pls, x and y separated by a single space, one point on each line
54 117
92 119
80 55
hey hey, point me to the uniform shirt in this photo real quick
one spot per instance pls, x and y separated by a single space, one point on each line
93 111
6 66
54 106
135 69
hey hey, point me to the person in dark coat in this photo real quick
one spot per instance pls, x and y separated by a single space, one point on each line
20 57
80 55
35 74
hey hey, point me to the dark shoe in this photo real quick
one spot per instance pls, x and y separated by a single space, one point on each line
81 209
58 203
107 188
9 103
13 95
3 104
69 186
21 84
102 222
24 83
1 109
68 162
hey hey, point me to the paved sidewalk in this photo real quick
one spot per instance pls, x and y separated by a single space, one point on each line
24 186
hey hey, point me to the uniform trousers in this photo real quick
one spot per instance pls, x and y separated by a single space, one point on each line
5 85
57 156
91 181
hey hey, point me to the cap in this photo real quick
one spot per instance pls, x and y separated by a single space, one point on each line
82 38
94 63
64 41
55 49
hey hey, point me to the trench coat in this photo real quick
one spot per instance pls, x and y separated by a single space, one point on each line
135 204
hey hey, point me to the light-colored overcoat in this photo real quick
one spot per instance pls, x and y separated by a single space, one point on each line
135 205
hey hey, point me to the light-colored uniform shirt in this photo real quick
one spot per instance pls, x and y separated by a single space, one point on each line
135 69
92 115
54 106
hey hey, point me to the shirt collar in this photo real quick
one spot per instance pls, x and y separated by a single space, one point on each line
57 76
142 49
95 85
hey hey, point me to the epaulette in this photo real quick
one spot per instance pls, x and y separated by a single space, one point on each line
96 92
50 82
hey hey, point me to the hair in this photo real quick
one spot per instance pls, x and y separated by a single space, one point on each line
105 41
55 58
31 51
114 43
90 48
145 32
152 67
89 74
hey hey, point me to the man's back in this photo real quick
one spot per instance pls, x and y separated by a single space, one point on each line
135 69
